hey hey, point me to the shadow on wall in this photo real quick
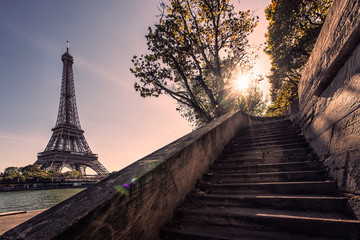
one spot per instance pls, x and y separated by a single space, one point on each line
329 115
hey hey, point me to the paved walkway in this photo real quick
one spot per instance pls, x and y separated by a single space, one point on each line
11 220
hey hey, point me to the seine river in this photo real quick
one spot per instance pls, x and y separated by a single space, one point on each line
34 199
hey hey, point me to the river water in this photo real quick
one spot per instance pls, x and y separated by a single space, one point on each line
34 199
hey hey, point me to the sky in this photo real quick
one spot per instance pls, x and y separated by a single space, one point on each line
120 126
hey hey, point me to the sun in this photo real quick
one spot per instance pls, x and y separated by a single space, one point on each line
242 82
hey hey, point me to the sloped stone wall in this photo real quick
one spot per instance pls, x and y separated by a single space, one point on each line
135 202
329 97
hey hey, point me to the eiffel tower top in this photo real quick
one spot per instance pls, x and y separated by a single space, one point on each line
68 114
67 55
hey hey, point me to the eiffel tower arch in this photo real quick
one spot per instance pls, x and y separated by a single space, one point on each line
67 146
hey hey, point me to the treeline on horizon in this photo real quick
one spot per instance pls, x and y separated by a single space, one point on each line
32 173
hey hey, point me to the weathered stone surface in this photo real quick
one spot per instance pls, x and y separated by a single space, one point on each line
136 201
329 96
354 206
317 142
336 165
331 123
353 171
336 41
346 134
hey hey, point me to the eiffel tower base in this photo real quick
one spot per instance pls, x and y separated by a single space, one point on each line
57 160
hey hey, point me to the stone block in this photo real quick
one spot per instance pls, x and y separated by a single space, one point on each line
346 134
336 165
354 205
320 143
353 172
345 170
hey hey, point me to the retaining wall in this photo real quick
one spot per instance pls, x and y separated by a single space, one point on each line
329 98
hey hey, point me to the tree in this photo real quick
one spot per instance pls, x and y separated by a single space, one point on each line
12 176
281 104
251 101
195 50
11 169
29 173
71 174
34 173
32 168
294 26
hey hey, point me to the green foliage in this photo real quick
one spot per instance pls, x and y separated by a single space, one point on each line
252 101
71 174
11 169
294 26
194 52
286 95
30 168
32 173
12 174
13 177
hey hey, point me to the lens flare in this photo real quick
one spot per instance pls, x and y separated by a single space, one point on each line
125 188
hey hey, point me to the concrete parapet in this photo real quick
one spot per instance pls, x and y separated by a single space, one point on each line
136 201
329 97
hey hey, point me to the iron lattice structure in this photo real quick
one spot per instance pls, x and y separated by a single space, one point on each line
67 146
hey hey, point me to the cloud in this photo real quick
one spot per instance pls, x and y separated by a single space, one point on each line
100 71
37 41
22 138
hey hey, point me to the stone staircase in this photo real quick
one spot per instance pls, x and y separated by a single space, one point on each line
267 184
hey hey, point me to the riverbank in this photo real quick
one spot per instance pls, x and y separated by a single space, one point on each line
12 219
45 185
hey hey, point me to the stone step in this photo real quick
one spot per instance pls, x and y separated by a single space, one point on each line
267 131
315 187
312 223
241 167
293 153
264 137
267 143
264 177
278 142
275 201
198 231
256 131
246 160
268 147
270 125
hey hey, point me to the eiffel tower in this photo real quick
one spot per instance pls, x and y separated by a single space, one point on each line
67 146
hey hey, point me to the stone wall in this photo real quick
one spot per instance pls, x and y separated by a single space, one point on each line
136 201
329 97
